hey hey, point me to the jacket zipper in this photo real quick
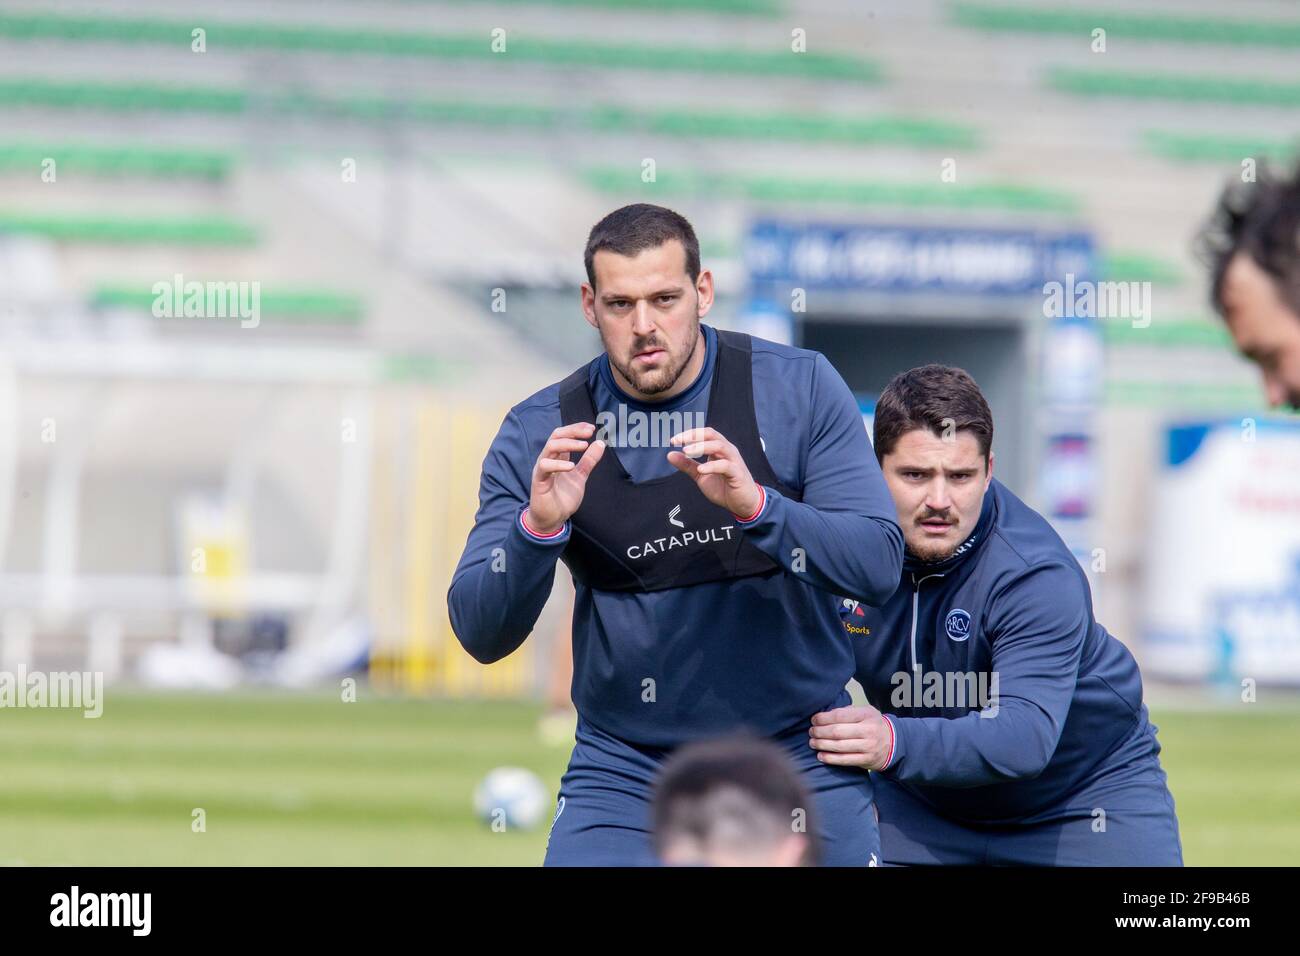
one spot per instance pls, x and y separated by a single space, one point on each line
916 600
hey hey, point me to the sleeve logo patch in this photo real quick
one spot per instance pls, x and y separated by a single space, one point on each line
850 609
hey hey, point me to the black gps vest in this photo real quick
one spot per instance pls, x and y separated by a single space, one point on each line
663 533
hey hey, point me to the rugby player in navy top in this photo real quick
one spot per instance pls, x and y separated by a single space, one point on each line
1008 726
711 493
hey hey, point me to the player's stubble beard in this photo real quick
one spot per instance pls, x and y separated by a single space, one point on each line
655 381
932 553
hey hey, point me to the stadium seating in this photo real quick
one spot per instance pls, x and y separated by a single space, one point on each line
686 121
998 197
1217 148
555 52
1128 25
1179 87
316 306
123 160
204 230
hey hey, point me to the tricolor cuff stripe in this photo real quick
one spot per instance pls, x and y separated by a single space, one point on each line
762 503
523 522
889 759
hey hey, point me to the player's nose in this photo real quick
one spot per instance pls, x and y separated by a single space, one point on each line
642 325
937 498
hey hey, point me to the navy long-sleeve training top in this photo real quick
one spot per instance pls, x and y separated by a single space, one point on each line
1067 705
662 667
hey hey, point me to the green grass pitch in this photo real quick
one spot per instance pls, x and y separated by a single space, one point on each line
309 779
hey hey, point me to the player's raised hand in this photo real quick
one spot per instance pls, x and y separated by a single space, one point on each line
852 737
558 483
724 479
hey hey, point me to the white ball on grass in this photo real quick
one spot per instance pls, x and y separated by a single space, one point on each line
510 798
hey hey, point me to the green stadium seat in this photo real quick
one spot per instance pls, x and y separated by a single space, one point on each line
1181 87
761 8
1210 397
775 126
1216 148
121 97
1200 333
1128 26
197 231
302 305
520 48
102 160
1003 197
1122 266
809 128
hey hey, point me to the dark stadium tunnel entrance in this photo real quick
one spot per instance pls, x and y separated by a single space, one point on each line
868 350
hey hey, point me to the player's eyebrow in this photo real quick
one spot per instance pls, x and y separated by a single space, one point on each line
619 296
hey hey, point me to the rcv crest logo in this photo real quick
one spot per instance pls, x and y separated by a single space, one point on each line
957 624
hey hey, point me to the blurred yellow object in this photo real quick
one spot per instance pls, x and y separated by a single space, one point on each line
427 458
214 549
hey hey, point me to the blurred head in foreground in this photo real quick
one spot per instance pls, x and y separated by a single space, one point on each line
732 801
645 294
1252 247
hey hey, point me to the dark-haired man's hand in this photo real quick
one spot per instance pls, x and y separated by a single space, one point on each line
558 483
724 479
852 737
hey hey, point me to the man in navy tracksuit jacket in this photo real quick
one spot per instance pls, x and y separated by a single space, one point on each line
705 585
1010 726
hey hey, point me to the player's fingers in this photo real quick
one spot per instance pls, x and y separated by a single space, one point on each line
682 463
591 458
840 715
574 430
694 435
845 760
562 446
698 449
549 466
855 745
835 731
718 466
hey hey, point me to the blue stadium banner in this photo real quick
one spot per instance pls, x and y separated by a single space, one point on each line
922 259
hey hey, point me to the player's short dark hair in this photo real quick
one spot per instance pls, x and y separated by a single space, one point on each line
630 230
1261 219
734 789
935 398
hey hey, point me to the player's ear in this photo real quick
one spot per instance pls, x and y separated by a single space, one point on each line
704 293
589 305
989 477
